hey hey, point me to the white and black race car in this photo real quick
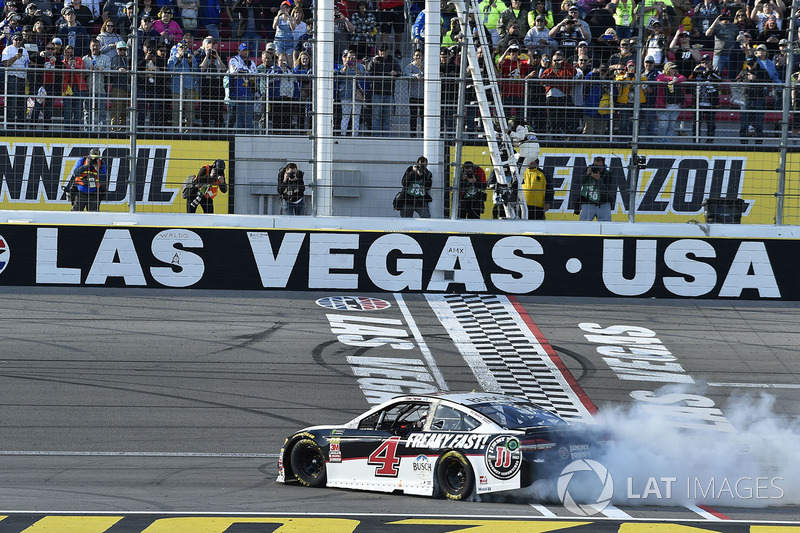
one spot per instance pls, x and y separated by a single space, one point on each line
445 445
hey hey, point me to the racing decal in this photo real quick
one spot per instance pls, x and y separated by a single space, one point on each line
5 254
353 303
423 467
385 458
335 453
437 441
503 457
504 353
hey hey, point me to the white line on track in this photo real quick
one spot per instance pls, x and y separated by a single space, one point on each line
544 511
423 346
757 385
45 453
702 512
612 512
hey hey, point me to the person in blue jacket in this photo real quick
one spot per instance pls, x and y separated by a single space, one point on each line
86 186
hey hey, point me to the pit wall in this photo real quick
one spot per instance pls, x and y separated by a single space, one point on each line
404 255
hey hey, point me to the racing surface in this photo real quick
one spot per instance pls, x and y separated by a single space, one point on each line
177 402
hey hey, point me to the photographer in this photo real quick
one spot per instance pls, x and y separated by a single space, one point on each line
16 61
595 195
86 186
206 184
417 182
291 189
472 191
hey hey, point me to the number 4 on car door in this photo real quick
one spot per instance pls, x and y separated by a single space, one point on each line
385 458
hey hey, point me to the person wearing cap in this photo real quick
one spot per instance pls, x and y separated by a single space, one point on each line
561 115
754 81
648 121
201 189
516 12
538 37
284 24
512 36
242 89
670 99
120 82
596 196
686 56
707 80
624 55
626 95
127 22
762 55
770 35
570 31
724 33
212 92
183 84
169 30
145 31
384 69
87 182
512 70
656 43
539 8
782 57
73 32
16 60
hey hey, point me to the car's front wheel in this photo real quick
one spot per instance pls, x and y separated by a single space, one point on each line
308 463
454 477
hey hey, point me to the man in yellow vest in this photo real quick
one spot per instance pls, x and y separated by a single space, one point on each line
537 190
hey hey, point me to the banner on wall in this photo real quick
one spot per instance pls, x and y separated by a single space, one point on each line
33 172
671 186
551 265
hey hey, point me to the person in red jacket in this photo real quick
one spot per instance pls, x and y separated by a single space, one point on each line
73 87
561 115
513 71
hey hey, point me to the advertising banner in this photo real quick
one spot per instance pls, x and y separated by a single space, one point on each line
671 186
33 172
253 259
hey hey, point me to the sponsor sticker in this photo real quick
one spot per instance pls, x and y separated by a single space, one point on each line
503 457
335 454
483 480
422 467
353 303
5 254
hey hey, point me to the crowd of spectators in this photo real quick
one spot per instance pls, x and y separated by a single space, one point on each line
569 68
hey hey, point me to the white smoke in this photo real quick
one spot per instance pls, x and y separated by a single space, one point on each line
653 462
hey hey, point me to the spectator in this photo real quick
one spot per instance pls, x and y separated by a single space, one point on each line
744 23
417 182
449 74
190 13
97 65
73 88
512 70
724 33
512 36
537 113
120 84
108 39
242 89
210 17
83 15
560 111
291 189
415 73
686 56
284 24
342 28
46 83
364 30
624 18
391 17
626 96
595 87
183 65
754 80
472 191
352 93
305 41
539 7
782 57
656 43
146 86
569 33
127 22
605 47
169 30
771 35
707 79
767 64
538 37
600 18
705 13
764 11
286 91
648 111
383 70
596 199
73 33
305 82
145 32
537 190
453 36
516 13
625 54
490 11
16 61
266 87
582 50
671 94
211 90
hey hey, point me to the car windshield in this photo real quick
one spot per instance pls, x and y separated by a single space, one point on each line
518 415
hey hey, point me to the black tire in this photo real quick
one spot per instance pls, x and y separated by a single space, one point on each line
454 476
308 463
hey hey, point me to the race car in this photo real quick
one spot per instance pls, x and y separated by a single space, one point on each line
449 445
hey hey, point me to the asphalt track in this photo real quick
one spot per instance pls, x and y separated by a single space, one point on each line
145 410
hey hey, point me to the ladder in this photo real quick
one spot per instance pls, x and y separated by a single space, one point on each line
501 149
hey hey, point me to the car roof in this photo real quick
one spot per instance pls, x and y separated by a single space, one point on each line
469 398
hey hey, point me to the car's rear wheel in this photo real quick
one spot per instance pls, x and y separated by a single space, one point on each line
454 477
308 463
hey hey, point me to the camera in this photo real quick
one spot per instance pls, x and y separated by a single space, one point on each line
594 169
197 200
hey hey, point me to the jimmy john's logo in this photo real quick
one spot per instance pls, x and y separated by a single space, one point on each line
436 441
503 457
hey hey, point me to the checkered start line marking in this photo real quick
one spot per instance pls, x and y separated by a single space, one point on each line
508 354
